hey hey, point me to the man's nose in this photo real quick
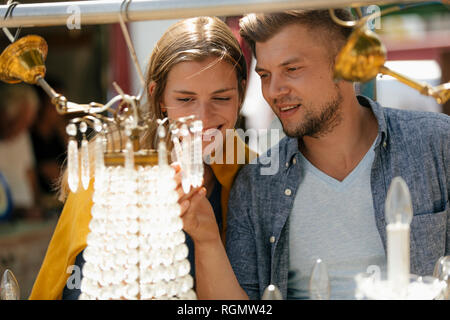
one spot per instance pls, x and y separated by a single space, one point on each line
277 88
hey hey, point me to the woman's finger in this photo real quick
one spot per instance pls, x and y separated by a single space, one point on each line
176 166
177 176
191 215
181 194
184 206
190 222
185 196
192 202
197 196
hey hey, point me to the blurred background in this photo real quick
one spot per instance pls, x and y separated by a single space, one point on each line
82 64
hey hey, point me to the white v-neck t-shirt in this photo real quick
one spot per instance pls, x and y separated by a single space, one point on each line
333 221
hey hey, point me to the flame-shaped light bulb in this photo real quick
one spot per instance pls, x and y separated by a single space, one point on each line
272 293
398 203
399 214
319 282
9 287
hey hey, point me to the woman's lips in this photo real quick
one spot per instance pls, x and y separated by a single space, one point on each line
212 132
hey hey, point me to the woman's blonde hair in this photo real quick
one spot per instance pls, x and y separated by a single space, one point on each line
193 39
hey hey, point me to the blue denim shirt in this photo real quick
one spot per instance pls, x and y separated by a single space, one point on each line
413 145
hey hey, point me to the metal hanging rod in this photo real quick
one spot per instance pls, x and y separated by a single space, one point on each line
106 11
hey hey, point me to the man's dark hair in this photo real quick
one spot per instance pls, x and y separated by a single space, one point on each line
261 27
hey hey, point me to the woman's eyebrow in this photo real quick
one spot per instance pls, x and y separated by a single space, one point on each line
224 90
215 92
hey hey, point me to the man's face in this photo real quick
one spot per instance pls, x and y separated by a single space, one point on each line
297 81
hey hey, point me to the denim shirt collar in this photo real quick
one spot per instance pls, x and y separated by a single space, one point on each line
377 109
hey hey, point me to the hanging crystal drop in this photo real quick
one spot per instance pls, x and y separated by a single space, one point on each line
186 159
100 143
72 165
192 168
71 129
197 153
162 149
177 148
98 126
85 169
129 155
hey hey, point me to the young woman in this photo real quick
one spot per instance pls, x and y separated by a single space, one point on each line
197 67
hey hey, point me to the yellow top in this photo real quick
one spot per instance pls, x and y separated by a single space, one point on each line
69 237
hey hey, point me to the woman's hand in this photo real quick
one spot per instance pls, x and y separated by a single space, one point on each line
197 213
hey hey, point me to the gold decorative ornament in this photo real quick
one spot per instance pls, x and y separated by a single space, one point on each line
23 60
364 55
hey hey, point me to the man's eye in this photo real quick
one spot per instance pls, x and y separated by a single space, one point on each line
263 75
293 69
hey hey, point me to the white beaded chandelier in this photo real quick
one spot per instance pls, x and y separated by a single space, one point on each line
136 247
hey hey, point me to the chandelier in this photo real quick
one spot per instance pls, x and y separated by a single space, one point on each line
136 247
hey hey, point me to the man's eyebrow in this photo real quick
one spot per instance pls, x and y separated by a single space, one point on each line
290 61
283 64
258 69
184 92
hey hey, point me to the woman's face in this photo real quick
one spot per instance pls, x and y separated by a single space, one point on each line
207 89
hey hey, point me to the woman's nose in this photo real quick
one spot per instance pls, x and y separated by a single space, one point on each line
204 110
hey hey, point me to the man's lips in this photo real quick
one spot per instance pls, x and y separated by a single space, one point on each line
287 110
287 107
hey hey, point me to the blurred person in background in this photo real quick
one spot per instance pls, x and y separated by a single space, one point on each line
18 106
49 143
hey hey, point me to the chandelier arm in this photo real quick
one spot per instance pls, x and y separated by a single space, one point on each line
130 46
340 21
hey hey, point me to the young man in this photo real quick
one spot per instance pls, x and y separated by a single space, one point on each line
336 164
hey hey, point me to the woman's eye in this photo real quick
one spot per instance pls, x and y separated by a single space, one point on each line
222 98
263 75
185 99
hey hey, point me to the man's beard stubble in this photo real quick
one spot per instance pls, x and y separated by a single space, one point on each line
317 125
